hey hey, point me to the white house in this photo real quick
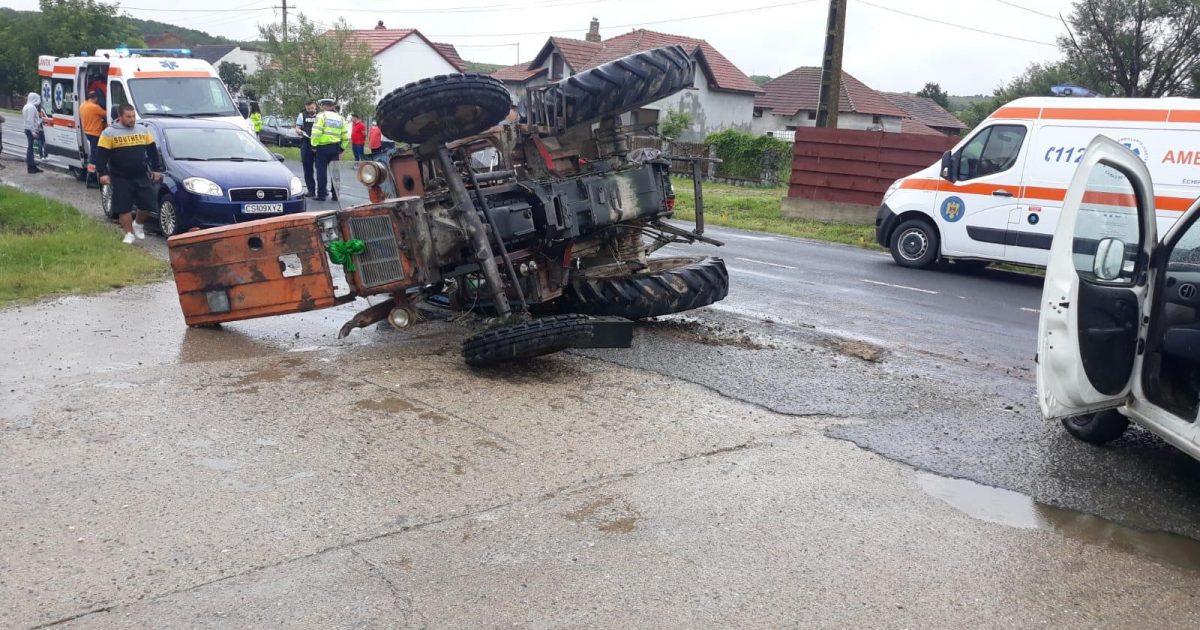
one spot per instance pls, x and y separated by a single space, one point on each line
216 54
722 96
790 101
404 55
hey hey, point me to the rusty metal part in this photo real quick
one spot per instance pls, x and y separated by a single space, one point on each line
468 217
508 266
628 245
364 318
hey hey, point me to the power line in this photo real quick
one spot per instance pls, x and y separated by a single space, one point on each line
192 10
1024 8
960 26
667 21
479 9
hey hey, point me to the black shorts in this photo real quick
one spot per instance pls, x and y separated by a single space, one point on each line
130 192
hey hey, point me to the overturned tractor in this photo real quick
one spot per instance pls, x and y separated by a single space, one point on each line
541 217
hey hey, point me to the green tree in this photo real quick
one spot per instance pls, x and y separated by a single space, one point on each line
74 26
233 75
675 123
1146 48
935 93
312 63
760 79
1036 81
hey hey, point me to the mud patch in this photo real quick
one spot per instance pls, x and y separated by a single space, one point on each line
606 514
390 405
868 352
706 334
435 417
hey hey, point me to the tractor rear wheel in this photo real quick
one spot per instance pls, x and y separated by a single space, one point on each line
662 287
624 84
526 340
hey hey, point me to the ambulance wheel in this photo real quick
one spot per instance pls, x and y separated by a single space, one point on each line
443 108
915 244
1097 428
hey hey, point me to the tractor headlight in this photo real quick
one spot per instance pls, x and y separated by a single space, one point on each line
296 187
370 173
201 186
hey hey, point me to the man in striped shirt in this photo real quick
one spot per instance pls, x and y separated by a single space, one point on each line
127 160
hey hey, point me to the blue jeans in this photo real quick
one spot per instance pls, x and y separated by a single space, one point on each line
30 165
91 157
358 152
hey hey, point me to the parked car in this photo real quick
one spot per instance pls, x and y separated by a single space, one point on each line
279 131
1119 329
216 174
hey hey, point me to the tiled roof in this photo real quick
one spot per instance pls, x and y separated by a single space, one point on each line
451 54
378 40
910 125
212 53
800 90
519 73
576 52
581 55
925 110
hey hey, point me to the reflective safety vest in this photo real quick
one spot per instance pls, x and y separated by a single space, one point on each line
256 120
330 128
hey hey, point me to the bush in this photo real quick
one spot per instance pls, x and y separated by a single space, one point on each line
747 156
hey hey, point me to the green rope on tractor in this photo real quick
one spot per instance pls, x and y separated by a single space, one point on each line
341 251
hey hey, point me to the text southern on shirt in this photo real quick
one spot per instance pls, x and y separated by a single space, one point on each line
126 152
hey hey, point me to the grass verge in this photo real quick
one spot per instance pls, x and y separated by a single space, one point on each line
49 248
290 153
758 209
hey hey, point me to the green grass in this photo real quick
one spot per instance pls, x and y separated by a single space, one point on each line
290 153
49 248
758 209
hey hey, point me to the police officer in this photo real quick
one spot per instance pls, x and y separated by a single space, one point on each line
304 125
330 137
255 117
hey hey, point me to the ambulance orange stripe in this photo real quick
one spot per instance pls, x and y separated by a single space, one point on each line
114 72
45 73
184 74
1134 115
1017 112
64 70
1038 193
1184 116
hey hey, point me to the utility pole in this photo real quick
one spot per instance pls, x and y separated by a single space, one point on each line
284 8
831 66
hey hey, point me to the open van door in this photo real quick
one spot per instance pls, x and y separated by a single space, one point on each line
1090 330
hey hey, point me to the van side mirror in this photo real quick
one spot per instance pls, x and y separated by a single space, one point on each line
948 166
1110 259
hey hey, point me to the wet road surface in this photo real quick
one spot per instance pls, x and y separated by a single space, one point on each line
268 474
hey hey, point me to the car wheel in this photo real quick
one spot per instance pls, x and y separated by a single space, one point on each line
168 216
915 244
1097 428
106 201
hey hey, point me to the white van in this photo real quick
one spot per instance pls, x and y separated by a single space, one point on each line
174 87
997 195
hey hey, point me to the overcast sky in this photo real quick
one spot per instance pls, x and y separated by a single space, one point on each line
884 48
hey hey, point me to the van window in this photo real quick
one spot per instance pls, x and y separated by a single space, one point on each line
993 150
1108 210
116 95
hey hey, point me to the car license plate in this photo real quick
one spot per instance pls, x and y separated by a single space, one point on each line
262 208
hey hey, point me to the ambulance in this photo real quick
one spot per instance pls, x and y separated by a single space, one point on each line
997 195
157 82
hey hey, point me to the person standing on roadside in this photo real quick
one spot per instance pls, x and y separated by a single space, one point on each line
358 136
124 152
255 118
92 116
2 166
330 137
375 138
31 114
308 156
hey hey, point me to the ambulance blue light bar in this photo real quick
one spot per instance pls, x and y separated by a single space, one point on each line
1073 91
180 52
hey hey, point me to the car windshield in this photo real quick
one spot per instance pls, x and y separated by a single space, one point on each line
210 145
200 96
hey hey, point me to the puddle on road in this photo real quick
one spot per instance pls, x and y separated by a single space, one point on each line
1013 509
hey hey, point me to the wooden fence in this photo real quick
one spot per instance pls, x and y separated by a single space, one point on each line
839 172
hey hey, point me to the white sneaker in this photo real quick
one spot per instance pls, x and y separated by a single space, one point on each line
128 240
139 230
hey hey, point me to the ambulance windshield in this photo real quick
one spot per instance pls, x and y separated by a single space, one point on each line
182 96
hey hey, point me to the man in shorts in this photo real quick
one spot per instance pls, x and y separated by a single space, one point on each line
124 152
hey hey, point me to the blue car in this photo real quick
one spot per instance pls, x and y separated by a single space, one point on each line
216 174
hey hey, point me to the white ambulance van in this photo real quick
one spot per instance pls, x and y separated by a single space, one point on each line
171 86
997 195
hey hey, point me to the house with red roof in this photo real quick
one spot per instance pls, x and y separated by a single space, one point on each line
790 101
404 55
722 96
